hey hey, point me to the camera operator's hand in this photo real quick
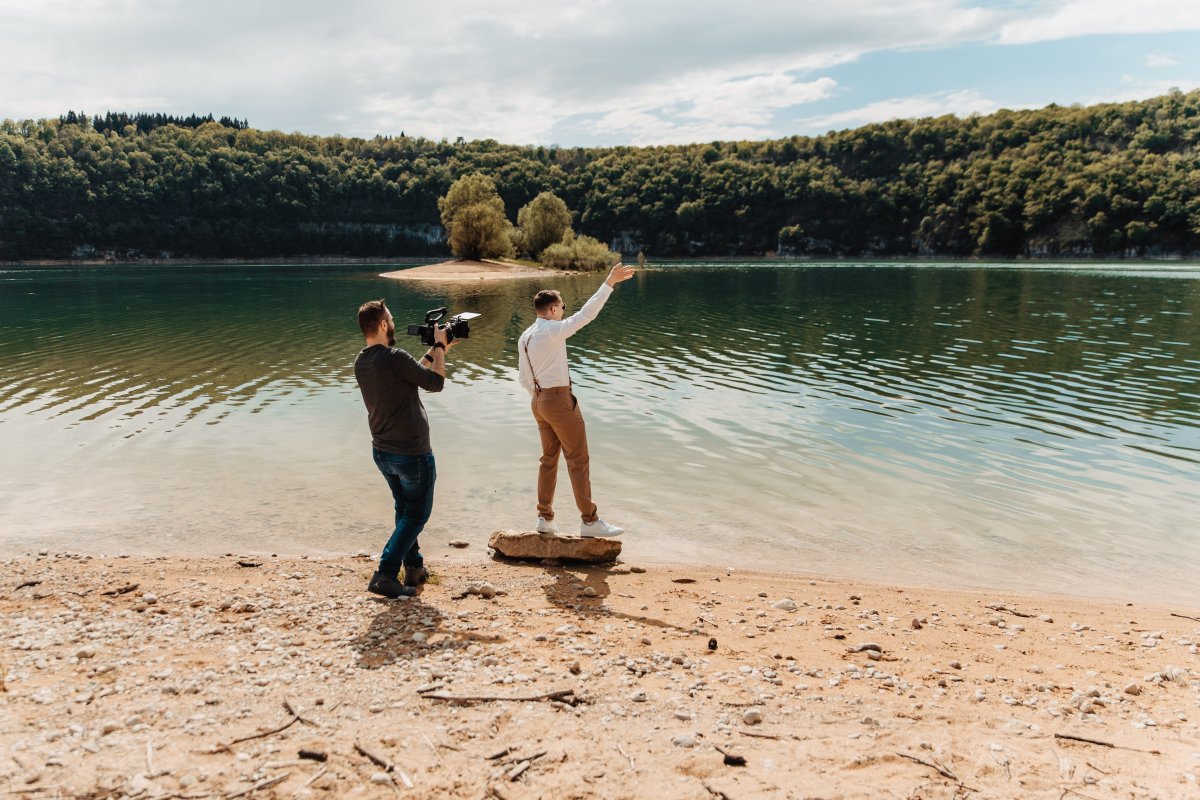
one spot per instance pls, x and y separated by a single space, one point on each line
440 337
619 274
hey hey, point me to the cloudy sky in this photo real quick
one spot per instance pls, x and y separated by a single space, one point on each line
596 72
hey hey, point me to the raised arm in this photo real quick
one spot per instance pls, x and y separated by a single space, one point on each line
591 309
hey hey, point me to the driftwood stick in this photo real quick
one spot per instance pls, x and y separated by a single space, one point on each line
263 784
1086 740
487 698
628 758
1173 614
518 770
29 583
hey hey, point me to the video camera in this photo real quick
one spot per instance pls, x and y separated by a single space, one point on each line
456 328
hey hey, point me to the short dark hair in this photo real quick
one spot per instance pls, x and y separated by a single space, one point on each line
546 298
370 314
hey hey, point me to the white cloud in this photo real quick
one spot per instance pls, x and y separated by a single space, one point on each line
1161 60
1091 17
931 105
526 71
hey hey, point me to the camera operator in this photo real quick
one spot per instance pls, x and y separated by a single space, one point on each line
389 379
542 362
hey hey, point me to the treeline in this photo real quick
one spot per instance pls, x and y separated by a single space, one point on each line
144 123
1104 180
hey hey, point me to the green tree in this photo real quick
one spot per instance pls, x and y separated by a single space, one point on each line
473 215
542 222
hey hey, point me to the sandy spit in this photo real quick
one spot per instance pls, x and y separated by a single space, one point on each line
458 271
265 677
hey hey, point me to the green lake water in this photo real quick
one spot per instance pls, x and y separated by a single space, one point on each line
1022 427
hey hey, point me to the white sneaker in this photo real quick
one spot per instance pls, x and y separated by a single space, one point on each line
599 528
546 526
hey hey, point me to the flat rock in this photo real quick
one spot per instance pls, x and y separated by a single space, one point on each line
530 544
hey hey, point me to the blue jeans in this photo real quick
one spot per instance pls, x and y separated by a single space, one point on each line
411 480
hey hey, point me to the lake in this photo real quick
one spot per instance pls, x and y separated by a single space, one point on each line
1009 426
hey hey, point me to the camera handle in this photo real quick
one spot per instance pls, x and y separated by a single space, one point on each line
434 316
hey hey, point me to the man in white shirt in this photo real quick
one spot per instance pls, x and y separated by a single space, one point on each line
542 351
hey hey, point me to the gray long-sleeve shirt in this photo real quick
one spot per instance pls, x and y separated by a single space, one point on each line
389 379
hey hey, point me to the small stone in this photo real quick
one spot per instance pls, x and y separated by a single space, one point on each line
149 598
916 624
684 740
381 778
867 646
589 591
460 543
955 664
638 696
1045 618
487 591
786 604
752 716
574 668
111 726
1133 688
85 652
637 570
419 636
186 781
683 715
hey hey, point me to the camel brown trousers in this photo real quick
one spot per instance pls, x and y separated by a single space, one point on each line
561 427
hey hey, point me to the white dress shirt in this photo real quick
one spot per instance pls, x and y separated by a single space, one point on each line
547 345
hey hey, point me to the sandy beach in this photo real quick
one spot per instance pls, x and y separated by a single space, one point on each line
466 270
278 677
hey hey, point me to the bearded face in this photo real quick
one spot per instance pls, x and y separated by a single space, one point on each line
391 332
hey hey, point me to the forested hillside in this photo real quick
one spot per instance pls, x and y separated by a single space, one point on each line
1116 179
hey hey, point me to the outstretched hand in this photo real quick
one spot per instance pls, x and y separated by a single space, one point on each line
619 273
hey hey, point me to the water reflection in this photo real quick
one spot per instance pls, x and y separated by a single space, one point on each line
818 413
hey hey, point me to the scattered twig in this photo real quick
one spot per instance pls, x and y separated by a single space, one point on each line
500 754
378 761
27 583
384 764
561 694
758 735
714 792
731 759
1086 740
313 755
518 770
1101 771
1173 614
292 710
1013 611
941 769
1077 794
249 563
283 727
149 757
628 758
123 590
263 784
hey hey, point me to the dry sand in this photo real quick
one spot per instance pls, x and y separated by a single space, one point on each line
464 270
199 677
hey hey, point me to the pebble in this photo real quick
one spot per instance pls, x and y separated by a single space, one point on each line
786 604
638 697
684 740
589 591
381 778
1133 688
149 598
858 648
752 716
460 543
637 570
487 591
916 624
